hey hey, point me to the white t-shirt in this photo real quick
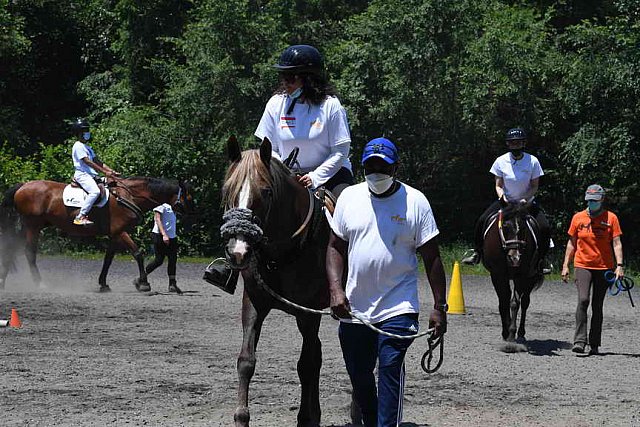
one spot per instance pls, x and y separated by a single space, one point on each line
79 152
168 219
383 236
320 131
517 174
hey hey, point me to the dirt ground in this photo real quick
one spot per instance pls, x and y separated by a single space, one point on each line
124 358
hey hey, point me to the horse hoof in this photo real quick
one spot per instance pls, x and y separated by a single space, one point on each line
241 417
142 286
104 288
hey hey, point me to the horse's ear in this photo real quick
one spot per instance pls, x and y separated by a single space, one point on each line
265 152
233 149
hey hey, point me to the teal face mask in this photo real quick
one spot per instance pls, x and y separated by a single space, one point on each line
86 136
296 93
594 205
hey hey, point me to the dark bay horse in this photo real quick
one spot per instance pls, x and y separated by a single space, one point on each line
510 253
276 235
39 204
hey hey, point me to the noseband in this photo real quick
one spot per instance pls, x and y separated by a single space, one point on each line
241 221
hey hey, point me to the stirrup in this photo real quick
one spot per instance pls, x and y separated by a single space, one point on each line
218 273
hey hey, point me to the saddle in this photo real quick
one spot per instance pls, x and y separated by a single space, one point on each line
73 194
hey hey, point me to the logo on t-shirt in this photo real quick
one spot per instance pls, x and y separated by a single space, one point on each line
287 122
398 219
316 124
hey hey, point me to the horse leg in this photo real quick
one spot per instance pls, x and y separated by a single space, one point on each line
31 248
309 370
524 305
106 263
503 290
141 282
251 326
515 306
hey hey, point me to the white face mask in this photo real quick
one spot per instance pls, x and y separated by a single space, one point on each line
379 182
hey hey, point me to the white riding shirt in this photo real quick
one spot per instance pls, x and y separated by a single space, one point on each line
79 152
320 131
168 218
517 174
383 235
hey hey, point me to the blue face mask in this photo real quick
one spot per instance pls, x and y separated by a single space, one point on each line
296 93
594 205
86 136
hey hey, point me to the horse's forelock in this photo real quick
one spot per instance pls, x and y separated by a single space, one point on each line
251 169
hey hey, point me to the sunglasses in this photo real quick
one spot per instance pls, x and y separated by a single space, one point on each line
288 77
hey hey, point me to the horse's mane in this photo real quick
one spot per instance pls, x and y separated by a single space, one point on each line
157 185
251 168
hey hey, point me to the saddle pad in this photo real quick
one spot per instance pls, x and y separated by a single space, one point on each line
74 197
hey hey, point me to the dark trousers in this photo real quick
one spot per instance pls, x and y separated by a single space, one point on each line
535 211
163 250
584 279
361 347
338 182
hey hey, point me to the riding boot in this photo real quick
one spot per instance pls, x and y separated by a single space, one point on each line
472 259
222 276
173 287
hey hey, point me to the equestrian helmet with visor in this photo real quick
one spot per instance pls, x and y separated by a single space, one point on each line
515 134
300 58
80 125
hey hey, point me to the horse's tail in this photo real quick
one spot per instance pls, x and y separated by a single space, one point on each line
8 228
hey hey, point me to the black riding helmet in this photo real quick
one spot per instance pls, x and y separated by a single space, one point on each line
300 58
80 125
515 134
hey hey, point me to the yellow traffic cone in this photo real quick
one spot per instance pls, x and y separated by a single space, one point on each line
456 298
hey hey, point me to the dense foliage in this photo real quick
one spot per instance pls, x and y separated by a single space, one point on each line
165 82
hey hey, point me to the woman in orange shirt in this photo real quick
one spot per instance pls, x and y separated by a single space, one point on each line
594 239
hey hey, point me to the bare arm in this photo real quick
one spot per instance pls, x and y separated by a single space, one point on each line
533 189
500 188
568 256
99 166
157 217
617 251
335 260
430 253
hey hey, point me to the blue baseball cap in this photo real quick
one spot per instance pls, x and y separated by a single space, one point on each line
380 147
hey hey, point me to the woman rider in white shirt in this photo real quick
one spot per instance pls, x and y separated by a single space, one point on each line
517 175
304 112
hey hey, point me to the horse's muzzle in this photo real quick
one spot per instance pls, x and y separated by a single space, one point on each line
238 253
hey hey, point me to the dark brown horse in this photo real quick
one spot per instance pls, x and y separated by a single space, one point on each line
276 236
510 253
39 204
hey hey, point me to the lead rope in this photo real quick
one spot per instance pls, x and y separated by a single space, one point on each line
431 343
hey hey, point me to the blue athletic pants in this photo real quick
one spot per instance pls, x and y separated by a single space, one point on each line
361 348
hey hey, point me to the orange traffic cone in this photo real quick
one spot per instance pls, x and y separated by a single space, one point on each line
15 322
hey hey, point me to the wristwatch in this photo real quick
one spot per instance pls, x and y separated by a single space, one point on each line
620 264
441 307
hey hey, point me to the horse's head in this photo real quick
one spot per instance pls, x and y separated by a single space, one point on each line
248 196
513 233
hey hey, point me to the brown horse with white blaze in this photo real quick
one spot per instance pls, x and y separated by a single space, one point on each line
39 204
276 236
